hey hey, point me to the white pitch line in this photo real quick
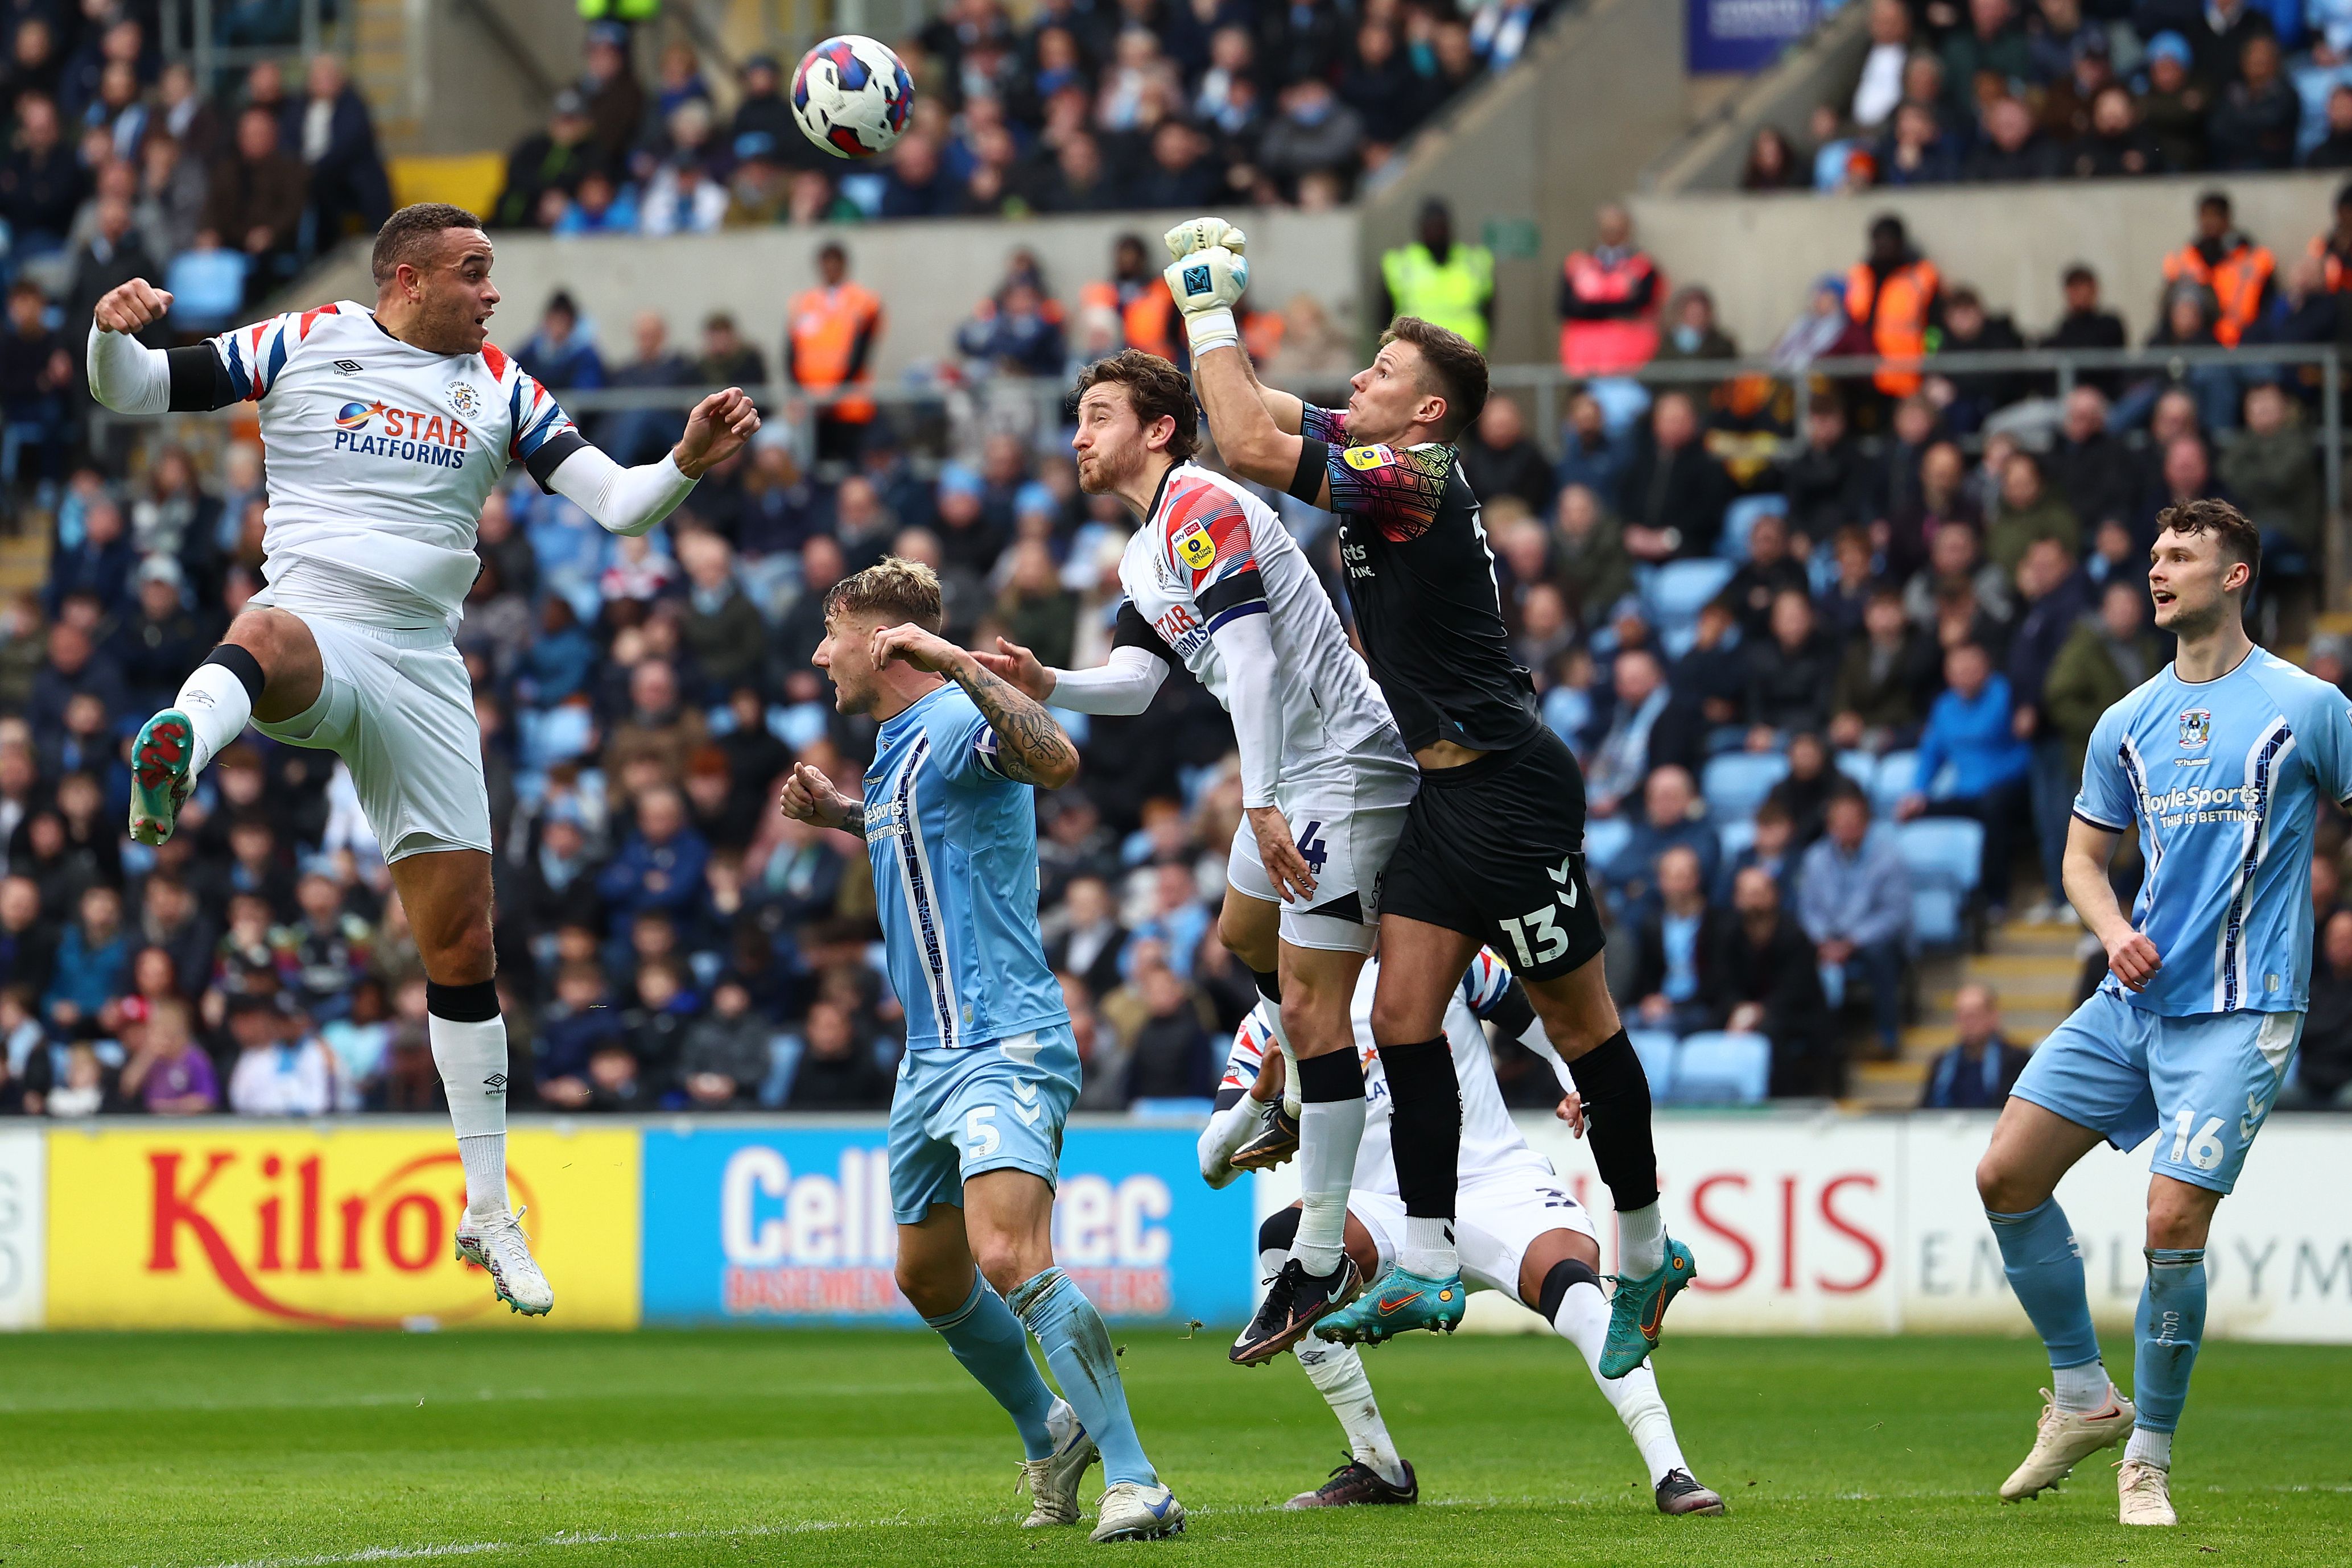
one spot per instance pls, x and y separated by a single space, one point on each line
567 1538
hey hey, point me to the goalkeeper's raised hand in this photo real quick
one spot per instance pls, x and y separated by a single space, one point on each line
1203 234
1207 285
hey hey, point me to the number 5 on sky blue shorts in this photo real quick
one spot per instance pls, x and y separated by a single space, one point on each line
997 1107
2202 1083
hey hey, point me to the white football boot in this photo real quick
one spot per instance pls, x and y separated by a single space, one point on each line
498 1247
2144 1492
2065 1440
1133 1512
1053 1481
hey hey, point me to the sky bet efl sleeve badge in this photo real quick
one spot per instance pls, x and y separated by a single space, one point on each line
1193 543
1366 459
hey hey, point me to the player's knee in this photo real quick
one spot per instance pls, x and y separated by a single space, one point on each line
1007 1265
1999 1188
1245 934
2176 1221
463 954
1313 1025
930 1295
1401 1024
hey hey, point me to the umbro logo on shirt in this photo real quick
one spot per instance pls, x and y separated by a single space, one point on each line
349 366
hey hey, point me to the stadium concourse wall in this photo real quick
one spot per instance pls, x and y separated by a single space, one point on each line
930 274
1760 256
1802 1223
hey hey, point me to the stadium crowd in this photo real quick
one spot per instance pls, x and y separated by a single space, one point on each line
1082 106
2035 90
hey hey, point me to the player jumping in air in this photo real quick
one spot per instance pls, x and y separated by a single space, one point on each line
2221 760
1519 1234
385 430
1493 847
1215 582
991 1067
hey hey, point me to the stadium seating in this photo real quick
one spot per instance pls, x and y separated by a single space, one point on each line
1734 836
1656 1049
1740 521
1893 781
1737 783
1944 855
1718 1068
1859 766
1677 593
1604 838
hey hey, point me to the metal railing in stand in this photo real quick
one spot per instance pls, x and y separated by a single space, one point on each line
192 32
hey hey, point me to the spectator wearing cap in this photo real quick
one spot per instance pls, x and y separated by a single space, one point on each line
554 159
762 110
2174 102
1972 730
157 641
560 355
1980 1067
615 98
1854 899
1609 299
1442 280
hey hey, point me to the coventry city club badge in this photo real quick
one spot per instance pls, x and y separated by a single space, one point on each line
2196 728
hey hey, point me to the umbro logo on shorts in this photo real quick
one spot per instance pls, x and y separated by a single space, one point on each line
349 366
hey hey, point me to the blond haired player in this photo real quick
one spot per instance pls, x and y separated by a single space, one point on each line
384 431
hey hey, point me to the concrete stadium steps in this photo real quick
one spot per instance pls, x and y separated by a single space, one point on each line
25 556
380 69
2033 968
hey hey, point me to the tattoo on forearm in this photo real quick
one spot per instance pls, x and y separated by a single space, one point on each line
1030 745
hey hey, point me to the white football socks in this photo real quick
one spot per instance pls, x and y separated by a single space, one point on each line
217 707
2149 1448
1337 1373
1641 1241
472 1058
1328 1133
1428 1248
2080 1390
1583 1321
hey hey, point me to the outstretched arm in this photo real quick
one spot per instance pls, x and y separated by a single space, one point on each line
1030 747
1122 687
1249 434
129 377
632 501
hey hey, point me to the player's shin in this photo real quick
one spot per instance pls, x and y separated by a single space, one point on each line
1337 1370
218 698
1269 985
2045 1270
985 1337
1078 1347
1330 1127
1616 1094
469 1049
1425 1140
1574 1304
2171 1323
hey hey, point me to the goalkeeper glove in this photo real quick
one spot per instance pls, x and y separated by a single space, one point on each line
1207 285
1203 234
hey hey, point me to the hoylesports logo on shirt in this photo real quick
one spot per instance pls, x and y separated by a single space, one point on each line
2196 727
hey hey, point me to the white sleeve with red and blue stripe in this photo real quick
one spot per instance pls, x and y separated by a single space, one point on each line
543 435
1247 1056
1210 553
1485 982
254 356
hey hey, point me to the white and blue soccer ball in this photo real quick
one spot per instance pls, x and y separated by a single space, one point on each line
851 96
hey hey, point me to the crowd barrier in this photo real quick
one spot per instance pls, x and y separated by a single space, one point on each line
1802 1223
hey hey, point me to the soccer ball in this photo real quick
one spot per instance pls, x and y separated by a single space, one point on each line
851 96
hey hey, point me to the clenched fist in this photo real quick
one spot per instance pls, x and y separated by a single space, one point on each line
134 307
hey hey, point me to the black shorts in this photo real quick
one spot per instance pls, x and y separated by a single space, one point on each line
1494 849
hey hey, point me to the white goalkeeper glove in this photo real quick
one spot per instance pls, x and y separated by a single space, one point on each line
1207 285
1203 234
1227 1131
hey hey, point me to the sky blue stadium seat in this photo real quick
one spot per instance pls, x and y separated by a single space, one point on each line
1734 836
1737 783
1679 592
1656 1049
1893 781
1604 837
1718 1068
207 288
1859 766
1935 916
1740 521
1943 849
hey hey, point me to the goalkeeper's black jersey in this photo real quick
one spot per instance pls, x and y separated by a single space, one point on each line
1421 581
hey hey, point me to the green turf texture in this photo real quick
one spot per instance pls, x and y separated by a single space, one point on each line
573 1451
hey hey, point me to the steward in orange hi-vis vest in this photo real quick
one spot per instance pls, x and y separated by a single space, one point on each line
2240 274
829 338
1893 295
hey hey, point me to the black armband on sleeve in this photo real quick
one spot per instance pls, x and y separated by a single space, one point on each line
200 383
1134 631
1314 462
542 465
1238 594
1512 1012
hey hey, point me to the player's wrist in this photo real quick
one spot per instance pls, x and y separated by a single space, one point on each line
1213 328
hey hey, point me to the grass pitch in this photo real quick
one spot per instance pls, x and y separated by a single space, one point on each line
576 1450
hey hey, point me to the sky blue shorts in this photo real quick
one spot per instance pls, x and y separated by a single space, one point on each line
2202 1083
997 1107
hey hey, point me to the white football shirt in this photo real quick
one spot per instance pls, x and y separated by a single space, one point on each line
1210 552
379 458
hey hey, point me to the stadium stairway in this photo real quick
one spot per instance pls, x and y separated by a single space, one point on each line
2032 968
379 68
25 556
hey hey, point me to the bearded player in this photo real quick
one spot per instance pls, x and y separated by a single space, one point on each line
1216 583
1493 848
1520 1234
2219 761
384 431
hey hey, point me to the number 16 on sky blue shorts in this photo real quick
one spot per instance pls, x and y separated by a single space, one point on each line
958 1114
2202 1083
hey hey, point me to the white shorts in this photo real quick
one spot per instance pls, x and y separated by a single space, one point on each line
1498 1214
1345 815
398 708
